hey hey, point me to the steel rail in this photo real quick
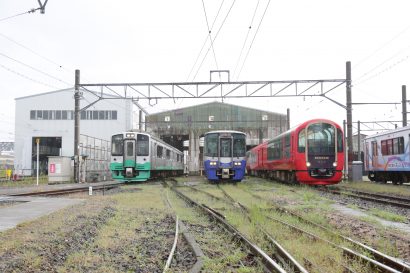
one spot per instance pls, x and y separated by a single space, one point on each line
382 258
281 254
269 263
67 190
361 195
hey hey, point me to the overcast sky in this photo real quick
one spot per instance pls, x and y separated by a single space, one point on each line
159 41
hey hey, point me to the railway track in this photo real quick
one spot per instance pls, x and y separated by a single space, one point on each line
68 190
378 261
270 264
374 197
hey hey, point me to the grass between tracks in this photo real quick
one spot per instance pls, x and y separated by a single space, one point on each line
306 202
368 186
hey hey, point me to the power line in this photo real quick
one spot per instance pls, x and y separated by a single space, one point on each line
383 46
209 34
26 77
250 47
19 14
35 69
216 35
246 38
204 43
41 8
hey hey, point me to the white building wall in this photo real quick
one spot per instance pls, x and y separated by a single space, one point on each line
26 129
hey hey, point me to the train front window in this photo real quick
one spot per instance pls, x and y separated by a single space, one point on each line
239 145
142 145
321 139
211 145
226 145
117 145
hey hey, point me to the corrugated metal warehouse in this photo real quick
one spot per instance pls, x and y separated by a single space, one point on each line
190 123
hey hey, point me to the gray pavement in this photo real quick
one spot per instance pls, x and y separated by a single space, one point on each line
30 208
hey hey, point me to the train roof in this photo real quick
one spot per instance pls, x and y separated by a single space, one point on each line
224 131
401 129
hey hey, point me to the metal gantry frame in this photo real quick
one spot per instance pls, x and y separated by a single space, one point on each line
152 92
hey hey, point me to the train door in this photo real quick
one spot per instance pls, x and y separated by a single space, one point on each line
129 157
374 155
129 153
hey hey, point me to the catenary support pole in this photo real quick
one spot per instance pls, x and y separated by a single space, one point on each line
359 158
349 117
404 104
288 119
76 125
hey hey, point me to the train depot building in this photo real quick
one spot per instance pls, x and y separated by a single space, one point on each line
49 117
188 125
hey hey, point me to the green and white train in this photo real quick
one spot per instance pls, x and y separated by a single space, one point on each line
137 156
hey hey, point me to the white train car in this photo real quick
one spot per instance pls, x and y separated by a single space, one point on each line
387 156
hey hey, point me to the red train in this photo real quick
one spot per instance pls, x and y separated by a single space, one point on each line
310 153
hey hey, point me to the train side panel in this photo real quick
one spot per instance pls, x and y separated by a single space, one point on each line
387 156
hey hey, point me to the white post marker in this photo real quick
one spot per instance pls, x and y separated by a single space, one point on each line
38 156
90 190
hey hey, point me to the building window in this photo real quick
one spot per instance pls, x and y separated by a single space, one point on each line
45 114
39 114
69 115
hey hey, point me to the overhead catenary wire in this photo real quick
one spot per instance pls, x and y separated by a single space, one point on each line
213 40
209 34
27 77
246 38
253 40
35 69
204 43
41 8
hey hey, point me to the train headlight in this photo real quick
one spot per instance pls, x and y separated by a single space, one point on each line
307 164
334 164
212 163
237 163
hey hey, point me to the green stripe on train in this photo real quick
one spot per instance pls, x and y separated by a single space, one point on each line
143 170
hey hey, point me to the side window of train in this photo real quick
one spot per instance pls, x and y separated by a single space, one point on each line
339 141
286 149
159 151
168 154
302 141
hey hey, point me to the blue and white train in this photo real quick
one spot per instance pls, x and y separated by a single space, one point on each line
224 155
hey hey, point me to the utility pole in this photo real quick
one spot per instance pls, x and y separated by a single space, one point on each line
404 104
349 117
76 125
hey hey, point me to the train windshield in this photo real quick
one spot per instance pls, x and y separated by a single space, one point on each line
211 145
239 145
320 139
117 147
226 147
142 145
